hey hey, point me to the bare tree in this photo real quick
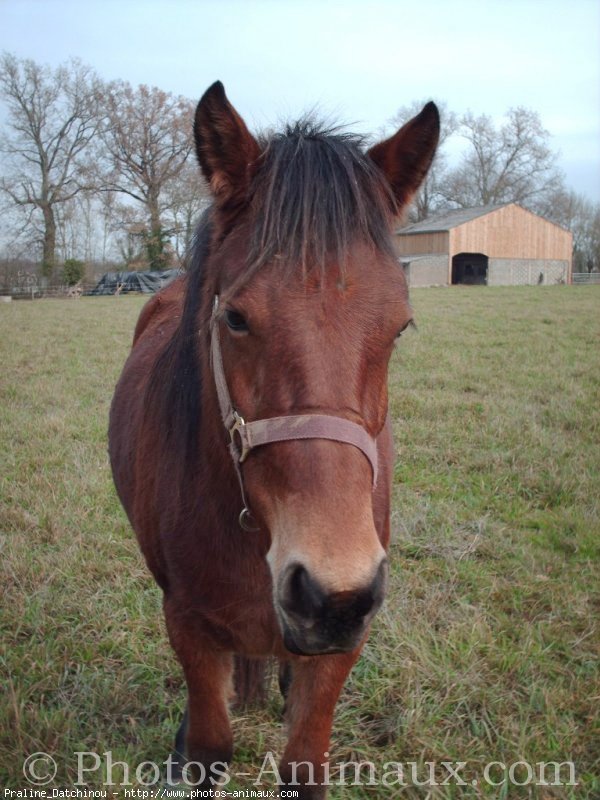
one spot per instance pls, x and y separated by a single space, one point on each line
108 212
52 118
77 227
511 164
186 197
582 217
430 196
147 140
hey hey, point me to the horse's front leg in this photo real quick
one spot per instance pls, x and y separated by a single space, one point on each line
205 732
313 693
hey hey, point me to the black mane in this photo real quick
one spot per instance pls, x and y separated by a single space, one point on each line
315 193
174 391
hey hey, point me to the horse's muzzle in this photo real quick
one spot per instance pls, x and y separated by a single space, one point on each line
315 622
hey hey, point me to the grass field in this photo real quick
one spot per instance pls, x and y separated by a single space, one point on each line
488 648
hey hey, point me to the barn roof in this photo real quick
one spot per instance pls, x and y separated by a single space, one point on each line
450 219
417 257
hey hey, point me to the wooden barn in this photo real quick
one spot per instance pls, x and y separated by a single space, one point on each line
495 245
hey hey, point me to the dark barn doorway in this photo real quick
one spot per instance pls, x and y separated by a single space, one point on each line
470 269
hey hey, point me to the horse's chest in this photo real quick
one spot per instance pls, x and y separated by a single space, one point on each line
234 604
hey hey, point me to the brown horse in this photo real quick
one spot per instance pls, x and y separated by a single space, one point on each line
258 381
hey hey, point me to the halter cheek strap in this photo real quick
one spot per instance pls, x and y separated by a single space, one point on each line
245 436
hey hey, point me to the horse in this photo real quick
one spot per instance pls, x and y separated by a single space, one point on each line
249 434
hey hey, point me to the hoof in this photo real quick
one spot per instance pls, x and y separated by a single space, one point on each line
177 759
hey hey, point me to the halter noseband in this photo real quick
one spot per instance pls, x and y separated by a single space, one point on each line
245 436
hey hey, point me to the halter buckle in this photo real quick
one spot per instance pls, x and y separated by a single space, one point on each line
240 443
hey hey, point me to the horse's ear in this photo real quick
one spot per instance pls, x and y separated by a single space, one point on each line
406 156
225 147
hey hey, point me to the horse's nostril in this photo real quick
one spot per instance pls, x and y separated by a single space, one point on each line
301 595
315 621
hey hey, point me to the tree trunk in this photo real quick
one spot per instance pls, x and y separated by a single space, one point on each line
155 245
155 224
49 247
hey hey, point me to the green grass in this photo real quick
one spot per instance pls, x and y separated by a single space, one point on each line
488 647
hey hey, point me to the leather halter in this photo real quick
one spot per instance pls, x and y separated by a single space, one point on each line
245 436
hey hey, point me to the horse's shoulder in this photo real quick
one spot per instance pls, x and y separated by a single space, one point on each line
164 307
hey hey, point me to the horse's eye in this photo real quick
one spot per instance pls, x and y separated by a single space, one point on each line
410 323
235 321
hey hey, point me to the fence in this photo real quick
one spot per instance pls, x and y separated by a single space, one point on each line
36 292
586 277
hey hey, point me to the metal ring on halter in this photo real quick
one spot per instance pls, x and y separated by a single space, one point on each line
246 520
241 442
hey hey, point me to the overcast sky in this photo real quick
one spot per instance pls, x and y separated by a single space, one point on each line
359 61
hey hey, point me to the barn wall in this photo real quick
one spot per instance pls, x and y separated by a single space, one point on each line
523 271
428 271
518 243
512 232
413 243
